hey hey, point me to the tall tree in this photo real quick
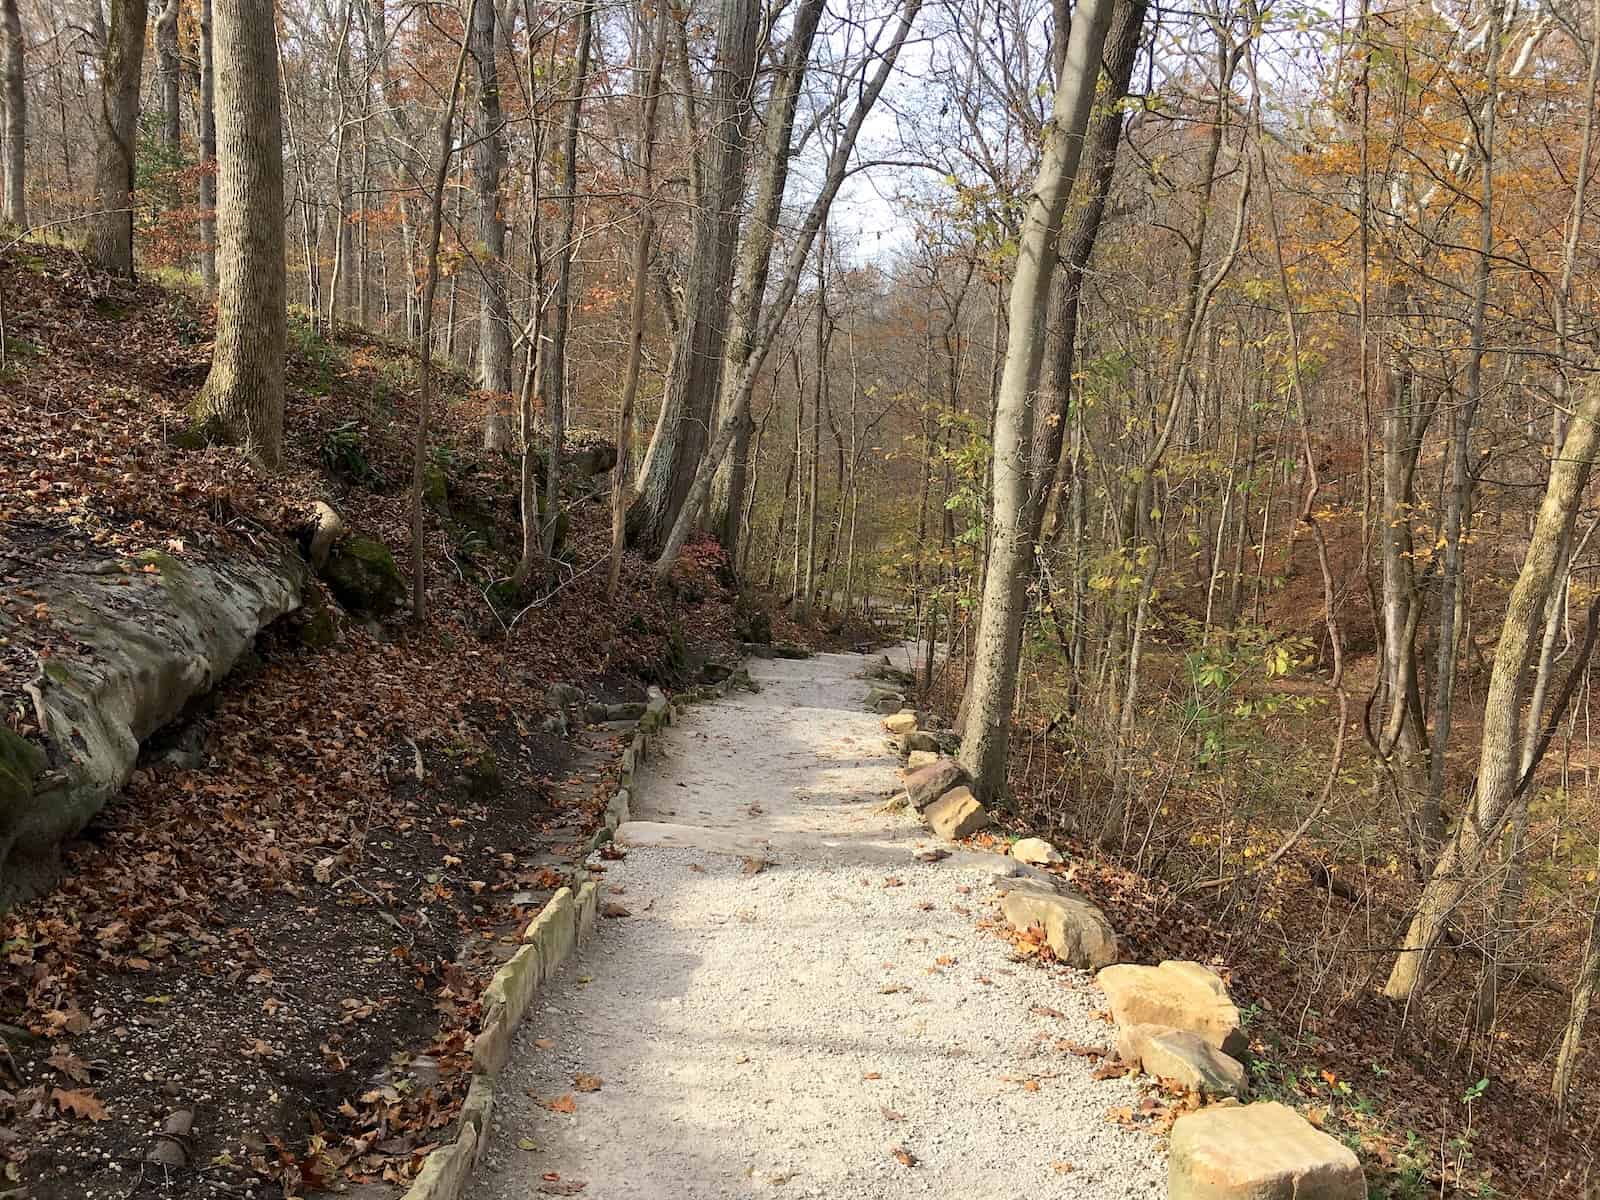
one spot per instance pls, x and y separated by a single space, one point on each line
243 394
687 409
650 107
207 119
494 310
986 741
756 320
1501 785
116 142
555 361
16 127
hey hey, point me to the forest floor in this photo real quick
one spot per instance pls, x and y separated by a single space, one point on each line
283 925
786 997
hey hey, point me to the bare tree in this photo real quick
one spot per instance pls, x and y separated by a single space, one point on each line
16 126
986 740
243 394
116 146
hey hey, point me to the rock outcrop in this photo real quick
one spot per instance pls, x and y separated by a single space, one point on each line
147 636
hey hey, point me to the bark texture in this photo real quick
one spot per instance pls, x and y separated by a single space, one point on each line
687 409
243 395
116 144
494 312
16 127
986 740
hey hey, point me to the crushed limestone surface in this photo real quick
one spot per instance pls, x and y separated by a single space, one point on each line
787 1031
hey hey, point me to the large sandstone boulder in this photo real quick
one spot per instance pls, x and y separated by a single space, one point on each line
1076 930
926 784
903 721
918 739
1180 995
956 814
147 635
1184 1057
918 759
1258 1152
1036 852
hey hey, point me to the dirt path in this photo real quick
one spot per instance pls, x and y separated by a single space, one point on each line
786 1032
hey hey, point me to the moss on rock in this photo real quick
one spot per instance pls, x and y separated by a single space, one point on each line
363 575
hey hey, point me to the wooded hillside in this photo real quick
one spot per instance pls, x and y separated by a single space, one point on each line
1210 395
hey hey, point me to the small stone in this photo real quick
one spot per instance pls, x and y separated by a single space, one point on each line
1258 1152
918 759
1180 995
1184 1057
903 721
1075 929
956 814
1036 852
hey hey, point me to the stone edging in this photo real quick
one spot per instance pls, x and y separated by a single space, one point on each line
562 926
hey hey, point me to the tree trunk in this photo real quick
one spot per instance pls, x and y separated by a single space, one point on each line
430 286
1499 760
494 310
243 394
1103 139
208 150
116 142
689 405
171 75
16 131
986 739
555 386
650 105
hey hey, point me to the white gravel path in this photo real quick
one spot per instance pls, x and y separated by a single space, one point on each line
780 1034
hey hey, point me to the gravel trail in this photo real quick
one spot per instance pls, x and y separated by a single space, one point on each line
784 1033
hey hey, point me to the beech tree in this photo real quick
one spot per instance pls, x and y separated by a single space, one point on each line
16 122
243 394
986 741
116 146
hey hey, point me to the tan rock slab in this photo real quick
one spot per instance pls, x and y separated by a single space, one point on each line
918 759
1183 1057
1180 995
1258 1152
903 721
1075 929
956 814
927 783
1036 852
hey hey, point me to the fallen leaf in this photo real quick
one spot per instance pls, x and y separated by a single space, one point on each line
933 856
903 1156
754 866
586 1083
892 882
1061 1168
612 909
526 1144
1044 1010
543 1043
562 1187
872 1075
889 1114
78 1103
69 1064
561 1104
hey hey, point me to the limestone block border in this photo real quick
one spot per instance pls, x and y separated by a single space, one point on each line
561 927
